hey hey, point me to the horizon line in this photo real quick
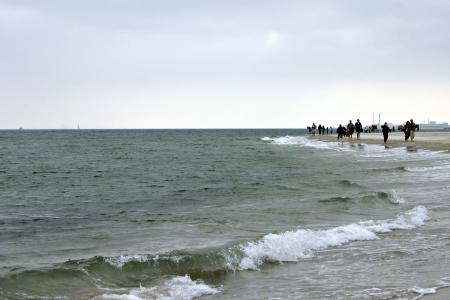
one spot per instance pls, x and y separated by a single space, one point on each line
155 128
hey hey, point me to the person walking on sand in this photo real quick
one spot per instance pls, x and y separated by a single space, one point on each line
407 130
412 129
340 132
350 129
313 129
358 128
385 128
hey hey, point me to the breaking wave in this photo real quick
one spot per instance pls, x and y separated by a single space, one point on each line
196 273
348 183
179 287
286 140
391 197
291 246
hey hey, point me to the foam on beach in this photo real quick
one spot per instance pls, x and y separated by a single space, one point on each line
302 141
373 151
179 287
420 291
286 140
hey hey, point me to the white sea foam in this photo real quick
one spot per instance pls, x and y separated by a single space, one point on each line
318 144
286 140
423 291
177 288
120 261
303 141
364 150
395 198
291 246
442 283
427 169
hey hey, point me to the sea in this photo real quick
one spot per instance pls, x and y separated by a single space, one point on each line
219 214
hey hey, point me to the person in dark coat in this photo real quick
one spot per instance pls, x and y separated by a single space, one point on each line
412 129
350 129
385 128
340 132
407 130
358 128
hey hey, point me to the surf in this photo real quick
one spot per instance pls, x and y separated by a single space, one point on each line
202 271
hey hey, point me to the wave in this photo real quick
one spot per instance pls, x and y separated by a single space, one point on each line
286 140
348 183
337 199
89 278
396 198
286 187
291 246
364 150
388 170
287 246
427 169
391 197
208 265
179 287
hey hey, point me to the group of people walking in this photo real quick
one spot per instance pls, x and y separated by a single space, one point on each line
409 128
322 129
349 130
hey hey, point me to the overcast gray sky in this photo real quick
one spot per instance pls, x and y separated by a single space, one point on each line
215 64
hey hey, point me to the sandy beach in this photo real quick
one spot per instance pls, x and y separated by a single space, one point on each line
423 140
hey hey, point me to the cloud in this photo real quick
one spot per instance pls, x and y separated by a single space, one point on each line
272 38
14 14
79 46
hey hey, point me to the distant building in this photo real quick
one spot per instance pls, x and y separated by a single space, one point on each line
433 125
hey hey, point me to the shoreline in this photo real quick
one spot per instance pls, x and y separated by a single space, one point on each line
423 140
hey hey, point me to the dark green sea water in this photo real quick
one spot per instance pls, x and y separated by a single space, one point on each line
219 214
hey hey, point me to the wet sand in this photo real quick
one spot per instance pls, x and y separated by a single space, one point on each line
423 140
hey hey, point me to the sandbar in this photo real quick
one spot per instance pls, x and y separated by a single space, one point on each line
428 140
